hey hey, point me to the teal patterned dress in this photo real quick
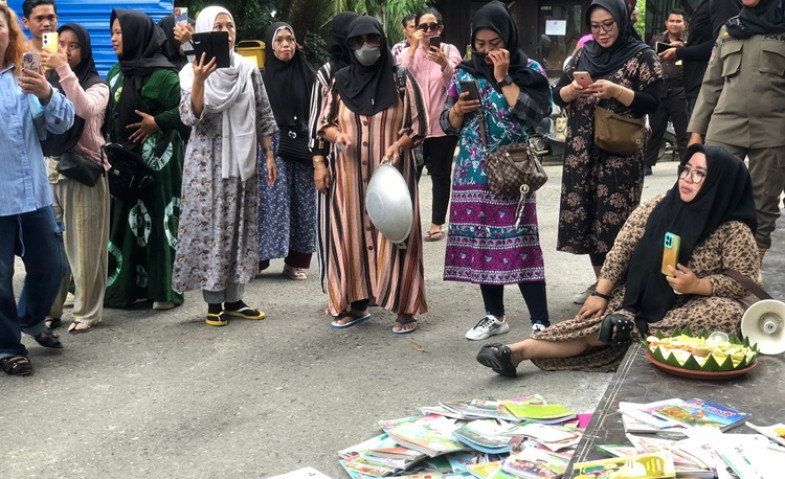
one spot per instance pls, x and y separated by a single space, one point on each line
483 245
143 233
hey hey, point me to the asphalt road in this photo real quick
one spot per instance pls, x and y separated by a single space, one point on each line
162 395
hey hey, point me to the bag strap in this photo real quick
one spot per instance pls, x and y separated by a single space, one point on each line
749 284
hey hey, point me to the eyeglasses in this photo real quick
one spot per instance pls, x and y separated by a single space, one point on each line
695 176
607 27
374 40
429 26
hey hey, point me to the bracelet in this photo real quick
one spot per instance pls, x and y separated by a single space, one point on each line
265 149
606 297
316 161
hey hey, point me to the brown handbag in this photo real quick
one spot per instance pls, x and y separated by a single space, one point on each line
617 134
512 170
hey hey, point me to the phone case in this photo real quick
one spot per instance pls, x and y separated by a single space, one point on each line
471 87
583 79
213 44
31 61
435 41
670 252
49 41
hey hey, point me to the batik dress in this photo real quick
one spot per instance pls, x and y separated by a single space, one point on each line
143 233
599 189
363 264
483 245
730 246
218 242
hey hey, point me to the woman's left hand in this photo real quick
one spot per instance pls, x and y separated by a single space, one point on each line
605 89
683 280
393 153
501 63
34 82
54 60
144 129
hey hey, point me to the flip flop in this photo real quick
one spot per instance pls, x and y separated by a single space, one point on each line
357 320
74 328
434 236
401 323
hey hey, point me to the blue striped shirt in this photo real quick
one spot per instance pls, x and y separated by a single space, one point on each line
23 182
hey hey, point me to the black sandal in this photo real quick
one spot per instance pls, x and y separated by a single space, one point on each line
498 357
53 323
616 330
16 366
48 339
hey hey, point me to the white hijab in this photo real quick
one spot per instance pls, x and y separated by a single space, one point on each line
229 91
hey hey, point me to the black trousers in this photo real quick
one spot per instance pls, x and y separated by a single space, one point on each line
533 294
438 153
673 106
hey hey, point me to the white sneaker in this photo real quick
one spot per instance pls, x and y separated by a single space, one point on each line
581 297
538 327
487 327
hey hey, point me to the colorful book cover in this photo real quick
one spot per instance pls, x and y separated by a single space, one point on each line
644 413
535 464
699 413
554 438
537 408
432 437
643 466
484 469
480 408
380 441
386 424
486 435
459 460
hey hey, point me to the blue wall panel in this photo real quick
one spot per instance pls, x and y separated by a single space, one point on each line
94 15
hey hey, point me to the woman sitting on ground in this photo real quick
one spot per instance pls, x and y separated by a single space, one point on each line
711 208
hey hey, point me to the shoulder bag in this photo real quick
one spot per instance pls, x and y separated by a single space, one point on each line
78 168
129 175
618 134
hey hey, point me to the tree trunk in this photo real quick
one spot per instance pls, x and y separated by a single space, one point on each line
302 17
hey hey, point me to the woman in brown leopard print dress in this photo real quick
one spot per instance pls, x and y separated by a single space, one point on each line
711 208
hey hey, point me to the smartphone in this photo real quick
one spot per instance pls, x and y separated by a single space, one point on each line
471 87
180 14
583 79
670 253
31 61
435 41
50 41
213 44
660 47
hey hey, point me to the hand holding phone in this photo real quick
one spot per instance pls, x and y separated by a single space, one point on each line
31 61
583 79
435 42
471 87
50 41
670 253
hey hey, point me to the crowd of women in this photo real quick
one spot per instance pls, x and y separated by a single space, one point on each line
248 166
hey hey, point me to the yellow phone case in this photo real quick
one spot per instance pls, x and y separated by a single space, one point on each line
670 253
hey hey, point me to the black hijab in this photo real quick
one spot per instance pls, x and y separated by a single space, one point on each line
494 16
601 62
367 90
141 57
340 55
171 48
726 194
87 74
765 17
288 84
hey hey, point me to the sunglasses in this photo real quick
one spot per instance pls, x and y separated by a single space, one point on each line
429 26
374 40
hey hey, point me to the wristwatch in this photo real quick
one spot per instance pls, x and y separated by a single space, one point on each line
506 81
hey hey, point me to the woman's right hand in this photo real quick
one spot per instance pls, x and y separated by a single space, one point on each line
321 177
183 32
580 91
464 105
594 306
342 142
203 70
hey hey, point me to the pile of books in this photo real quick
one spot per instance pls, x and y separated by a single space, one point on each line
524 437
689 439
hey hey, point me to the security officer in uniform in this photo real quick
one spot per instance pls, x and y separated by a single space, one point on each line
741 105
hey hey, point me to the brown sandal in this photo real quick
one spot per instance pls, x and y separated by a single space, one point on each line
16 366
75 329
434 235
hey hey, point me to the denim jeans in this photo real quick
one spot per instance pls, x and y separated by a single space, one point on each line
38 240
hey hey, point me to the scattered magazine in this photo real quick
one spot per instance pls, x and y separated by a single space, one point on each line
700 413
486 435
536 409
535 464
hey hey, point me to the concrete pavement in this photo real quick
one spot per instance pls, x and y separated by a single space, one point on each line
162 395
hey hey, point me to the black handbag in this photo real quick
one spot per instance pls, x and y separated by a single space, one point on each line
129 175
293 145
78 168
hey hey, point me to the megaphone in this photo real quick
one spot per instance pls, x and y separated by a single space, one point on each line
764 323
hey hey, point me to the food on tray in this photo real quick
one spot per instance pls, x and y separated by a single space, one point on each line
712 353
